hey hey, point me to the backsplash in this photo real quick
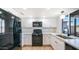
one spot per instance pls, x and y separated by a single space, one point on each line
44 30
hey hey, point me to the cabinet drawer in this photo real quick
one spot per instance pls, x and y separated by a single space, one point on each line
58 41
57 44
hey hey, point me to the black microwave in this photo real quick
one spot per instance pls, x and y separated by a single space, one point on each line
37 24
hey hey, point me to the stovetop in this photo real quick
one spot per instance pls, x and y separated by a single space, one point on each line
37 32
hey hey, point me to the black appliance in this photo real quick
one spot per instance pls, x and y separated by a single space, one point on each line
17 32
37 24
37 37
10 38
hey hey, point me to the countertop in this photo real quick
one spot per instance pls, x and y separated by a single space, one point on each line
42 33
72 42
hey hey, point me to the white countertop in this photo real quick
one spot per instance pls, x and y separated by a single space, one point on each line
31 33
73 42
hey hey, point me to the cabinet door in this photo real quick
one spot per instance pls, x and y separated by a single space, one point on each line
60 44
57 44
27 39
46 40
53 43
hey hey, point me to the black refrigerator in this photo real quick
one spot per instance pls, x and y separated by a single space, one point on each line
17 32
10 30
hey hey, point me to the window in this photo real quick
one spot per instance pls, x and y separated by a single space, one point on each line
65 25
77 26
72 25
2 25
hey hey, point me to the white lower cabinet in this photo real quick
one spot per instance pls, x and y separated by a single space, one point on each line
46 39
56 43
27 39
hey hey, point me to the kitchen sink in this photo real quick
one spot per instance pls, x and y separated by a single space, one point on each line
65 37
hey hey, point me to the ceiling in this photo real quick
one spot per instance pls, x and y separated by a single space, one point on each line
39 12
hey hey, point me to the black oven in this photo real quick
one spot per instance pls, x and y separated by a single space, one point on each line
37 37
